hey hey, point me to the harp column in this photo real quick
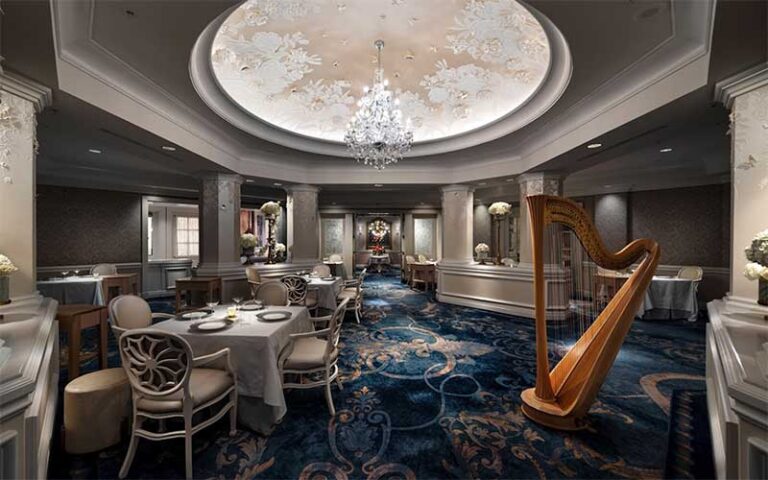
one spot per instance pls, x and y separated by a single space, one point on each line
543 183
457 224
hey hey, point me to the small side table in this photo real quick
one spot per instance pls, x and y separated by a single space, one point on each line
73 319
210 286
124 283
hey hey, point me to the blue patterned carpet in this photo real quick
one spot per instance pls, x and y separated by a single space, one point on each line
432 391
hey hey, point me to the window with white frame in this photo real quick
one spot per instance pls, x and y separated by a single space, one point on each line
187 236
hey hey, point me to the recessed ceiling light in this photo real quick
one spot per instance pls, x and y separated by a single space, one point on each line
512 179
168 148
483 184
378 185
94 150
607 186
665 150
249 180
594 145
277 184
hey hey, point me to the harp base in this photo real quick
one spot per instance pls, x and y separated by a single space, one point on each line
549 413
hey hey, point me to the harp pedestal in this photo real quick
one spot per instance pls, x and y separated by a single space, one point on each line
549 413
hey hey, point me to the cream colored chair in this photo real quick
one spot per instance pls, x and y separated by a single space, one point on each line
353 291
321 270
508 262
312 353
423 259
300 292
104 269
127 312
254 279
167 381
409 261
691 273
335 257
424 274
96 406
273 293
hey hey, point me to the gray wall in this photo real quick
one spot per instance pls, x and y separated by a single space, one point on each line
482 226
81 226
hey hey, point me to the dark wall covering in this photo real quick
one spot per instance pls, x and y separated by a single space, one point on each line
691 224
82 226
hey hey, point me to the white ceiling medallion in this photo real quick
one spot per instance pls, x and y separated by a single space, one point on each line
457 67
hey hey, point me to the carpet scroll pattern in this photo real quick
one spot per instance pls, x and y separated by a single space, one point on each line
433 391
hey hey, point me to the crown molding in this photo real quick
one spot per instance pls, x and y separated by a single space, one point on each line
743 82
37 93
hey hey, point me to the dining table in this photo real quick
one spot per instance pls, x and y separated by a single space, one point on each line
379 261
75 289
328 290
670 297
254 345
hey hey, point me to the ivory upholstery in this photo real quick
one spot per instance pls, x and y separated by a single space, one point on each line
130 311
254 279
104 269
273 293
321 270
95 407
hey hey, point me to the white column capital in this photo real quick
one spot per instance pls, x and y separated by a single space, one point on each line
38 94
540 183
457 188
728 89
302 188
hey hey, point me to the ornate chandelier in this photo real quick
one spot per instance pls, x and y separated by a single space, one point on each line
376 135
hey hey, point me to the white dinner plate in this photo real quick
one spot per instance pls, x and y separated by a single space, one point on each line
197 315
274 316
212 325
328 279
251 307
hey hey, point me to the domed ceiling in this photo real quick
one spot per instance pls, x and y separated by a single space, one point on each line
455 65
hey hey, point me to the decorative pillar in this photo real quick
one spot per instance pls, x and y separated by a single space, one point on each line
542 183
303 224
746 95
20 100
457 224
220 229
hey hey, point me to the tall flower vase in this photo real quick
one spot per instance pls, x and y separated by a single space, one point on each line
5 289
762 291
271 239
498 219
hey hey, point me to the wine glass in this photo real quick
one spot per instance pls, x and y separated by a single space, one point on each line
237 301
76 272
65 273
212 303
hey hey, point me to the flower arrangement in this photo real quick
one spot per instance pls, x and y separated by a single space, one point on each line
279 247
481 248
271 208
249 240
757 254
378 249
500 209
6 266
757 268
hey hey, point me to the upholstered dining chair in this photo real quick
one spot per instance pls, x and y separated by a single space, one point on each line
423 274
273 293
423 258
312 353
409 261
508 262
321 270
300 292
353 291
167 381
128 312
335 257
254 279
104 269
691 273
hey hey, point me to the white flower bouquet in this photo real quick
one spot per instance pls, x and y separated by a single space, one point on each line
279 247
500 209
481 248
757 268
6 266
249 240
271 208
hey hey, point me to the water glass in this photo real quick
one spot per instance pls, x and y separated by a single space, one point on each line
237 301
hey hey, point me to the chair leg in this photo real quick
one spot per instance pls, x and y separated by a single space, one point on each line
328 397
233 414
338 382
188 440
131 448
357 314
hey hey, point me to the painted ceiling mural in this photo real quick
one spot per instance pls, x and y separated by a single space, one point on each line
455 65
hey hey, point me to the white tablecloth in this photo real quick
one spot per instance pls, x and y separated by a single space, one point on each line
71 290
254 347
327 291
379 259
670 297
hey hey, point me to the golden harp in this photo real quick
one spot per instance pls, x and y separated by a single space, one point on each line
563 396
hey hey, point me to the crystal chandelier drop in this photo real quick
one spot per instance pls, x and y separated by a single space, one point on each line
376 135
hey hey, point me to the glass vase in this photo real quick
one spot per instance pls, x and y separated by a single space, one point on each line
762 291
5 289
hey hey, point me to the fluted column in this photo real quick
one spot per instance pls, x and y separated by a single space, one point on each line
220 228
20 100
303 224
457 217
542 183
